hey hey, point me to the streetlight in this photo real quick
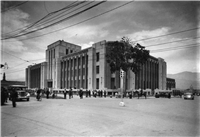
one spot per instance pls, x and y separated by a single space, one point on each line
122 87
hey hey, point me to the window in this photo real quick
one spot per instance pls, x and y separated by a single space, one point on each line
97 83
71 51
67 51
112 83
97 56
54 53
97 69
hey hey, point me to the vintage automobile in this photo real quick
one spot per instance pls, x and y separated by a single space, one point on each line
21 91
23 95
188 95
163 93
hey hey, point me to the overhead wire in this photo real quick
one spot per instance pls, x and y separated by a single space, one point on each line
56 22
15 6
45 8
153 45
14 55
174 48
50 20
43 18
168 34
78 22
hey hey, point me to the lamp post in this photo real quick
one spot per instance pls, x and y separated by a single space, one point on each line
122 87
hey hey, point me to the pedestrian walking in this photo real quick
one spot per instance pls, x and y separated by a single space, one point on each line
81 93
130 95
105 93
65 93
89 92
14 96
53 95
95 93
70 93
47 93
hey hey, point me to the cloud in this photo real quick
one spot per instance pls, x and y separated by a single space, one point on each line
86 32
14 19
86 45
148 34
15 46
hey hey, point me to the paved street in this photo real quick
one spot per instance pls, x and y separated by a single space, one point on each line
102 117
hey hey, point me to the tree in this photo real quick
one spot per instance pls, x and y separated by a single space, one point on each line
123 55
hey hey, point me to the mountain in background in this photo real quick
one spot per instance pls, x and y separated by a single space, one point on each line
186 79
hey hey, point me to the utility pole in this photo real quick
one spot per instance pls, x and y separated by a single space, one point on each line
122 87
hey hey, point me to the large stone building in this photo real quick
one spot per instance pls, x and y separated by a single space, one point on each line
67 65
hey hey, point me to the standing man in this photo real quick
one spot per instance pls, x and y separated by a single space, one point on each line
81 93
70 93
65 93
14 97
47 92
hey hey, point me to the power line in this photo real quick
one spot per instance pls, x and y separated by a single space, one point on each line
52 19
174 48
45 7
48 15
80 21
168 34
171 42
56 22
15 56
14 6
14 71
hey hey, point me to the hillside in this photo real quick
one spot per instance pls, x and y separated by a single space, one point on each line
185 79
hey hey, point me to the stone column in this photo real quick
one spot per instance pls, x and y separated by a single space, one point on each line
77 68
85 85
69 76
81 71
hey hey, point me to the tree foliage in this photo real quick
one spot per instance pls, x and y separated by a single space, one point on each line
123 55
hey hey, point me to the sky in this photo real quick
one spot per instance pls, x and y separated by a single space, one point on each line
138 20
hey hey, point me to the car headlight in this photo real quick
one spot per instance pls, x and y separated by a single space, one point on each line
28 95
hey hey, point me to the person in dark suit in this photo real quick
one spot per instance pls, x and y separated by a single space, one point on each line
89 92
81 93
65 93
70 93
47 92
14 96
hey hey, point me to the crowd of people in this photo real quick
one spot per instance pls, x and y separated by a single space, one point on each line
68 93
94 93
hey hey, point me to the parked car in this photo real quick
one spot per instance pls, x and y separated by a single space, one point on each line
23 95
21 91
163 93
188 95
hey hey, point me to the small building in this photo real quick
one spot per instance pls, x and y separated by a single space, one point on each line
171 84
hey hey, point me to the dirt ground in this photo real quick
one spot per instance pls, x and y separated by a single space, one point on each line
102 117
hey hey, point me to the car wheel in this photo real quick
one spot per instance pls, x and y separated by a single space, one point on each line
27 99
